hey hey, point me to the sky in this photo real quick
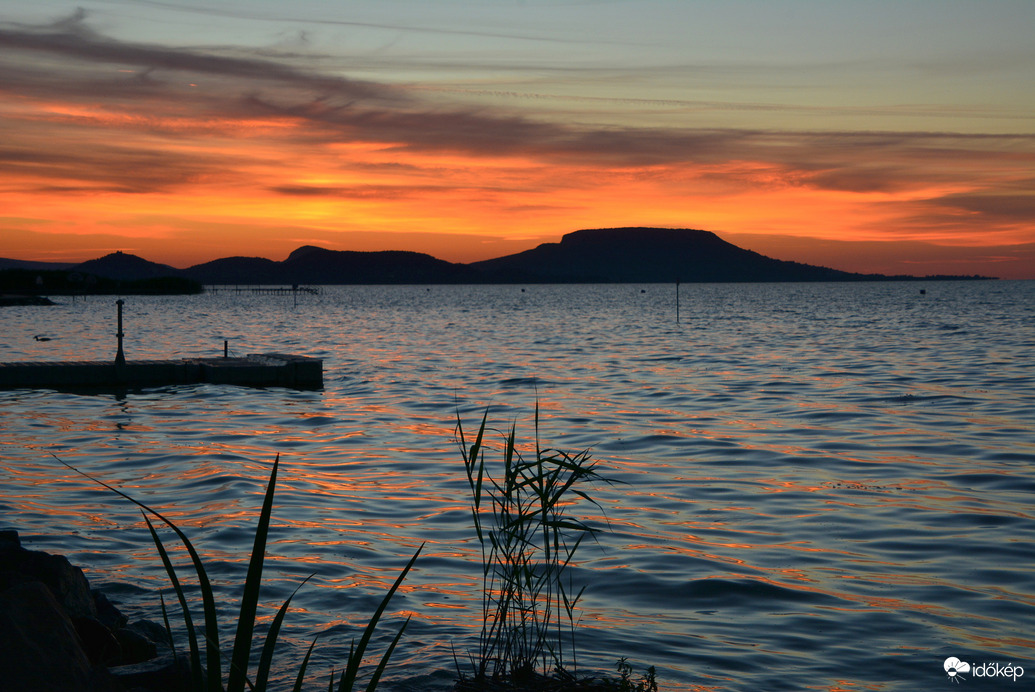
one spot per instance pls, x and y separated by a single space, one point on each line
877 136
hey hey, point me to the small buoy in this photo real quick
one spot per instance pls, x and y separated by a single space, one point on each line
923 291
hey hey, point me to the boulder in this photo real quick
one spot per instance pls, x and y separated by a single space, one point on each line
39 648
67 583
99 643
107 613
56 634
134 647
165 673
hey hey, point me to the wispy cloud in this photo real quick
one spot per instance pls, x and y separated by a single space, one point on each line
248 13
85 113
73 40
76 65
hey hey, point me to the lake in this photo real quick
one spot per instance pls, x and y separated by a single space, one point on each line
817 486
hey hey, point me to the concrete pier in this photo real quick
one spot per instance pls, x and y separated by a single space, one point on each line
255 370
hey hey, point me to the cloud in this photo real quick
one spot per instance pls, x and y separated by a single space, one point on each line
214 89
993 206
371 192
73 40
85 113
90 167
248 14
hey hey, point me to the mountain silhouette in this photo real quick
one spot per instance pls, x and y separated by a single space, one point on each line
316 265
237 270
8 263
602 255
648 255
117 273
125 267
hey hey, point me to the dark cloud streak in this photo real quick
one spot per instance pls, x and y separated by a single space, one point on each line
78 42
71 62
397 27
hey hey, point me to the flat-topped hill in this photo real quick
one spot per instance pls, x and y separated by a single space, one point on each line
601 255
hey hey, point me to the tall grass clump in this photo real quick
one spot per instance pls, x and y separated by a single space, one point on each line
528 536
207 672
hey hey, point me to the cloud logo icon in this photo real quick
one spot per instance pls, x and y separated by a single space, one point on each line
954 667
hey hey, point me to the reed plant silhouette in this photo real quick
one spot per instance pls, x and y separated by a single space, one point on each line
207 676
647 683
528 538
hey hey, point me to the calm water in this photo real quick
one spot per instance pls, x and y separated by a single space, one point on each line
824 486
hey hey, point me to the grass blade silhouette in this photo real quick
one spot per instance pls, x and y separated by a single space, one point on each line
213 679
300 678
266 658
207 677
241 656
348 679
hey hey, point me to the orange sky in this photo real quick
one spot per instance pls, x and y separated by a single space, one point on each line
470 143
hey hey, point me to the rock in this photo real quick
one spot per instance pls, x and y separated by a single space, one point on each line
107 613
134 647
165 673
68 584
9 540
39 648
151 631
56 634
100 645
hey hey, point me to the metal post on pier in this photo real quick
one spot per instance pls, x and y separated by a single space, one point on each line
120 357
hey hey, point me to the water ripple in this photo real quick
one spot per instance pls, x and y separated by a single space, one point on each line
818 486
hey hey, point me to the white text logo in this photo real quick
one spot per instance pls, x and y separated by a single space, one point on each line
955 668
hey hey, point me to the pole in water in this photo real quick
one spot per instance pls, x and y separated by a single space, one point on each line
120 357
226 348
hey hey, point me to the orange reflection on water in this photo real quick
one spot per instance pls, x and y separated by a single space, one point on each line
995 643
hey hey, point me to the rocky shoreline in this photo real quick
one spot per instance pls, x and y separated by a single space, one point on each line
8 300
57 634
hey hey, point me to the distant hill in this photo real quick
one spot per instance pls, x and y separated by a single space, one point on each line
18 285
314 265
117 273
126 267
602 255
649 255
6 263
238 270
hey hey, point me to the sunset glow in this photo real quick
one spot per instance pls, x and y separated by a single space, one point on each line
893 138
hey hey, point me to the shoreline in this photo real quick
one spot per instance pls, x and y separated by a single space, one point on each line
20 300
58 633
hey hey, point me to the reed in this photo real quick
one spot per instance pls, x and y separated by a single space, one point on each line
528 538
207 673
647 683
